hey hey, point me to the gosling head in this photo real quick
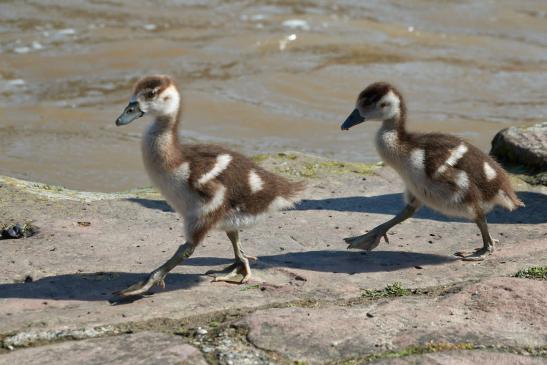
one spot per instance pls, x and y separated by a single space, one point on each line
379 101
154 95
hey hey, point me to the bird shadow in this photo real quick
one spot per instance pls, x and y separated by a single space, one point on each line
97 286
100 285
339 261
391 204
160 205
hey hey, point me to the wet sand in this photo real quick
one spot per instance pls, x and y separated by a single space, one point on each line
259 76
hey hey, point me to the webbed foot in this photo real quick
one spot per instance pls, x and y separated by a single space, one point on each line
368 241
155 278
479 255
239 272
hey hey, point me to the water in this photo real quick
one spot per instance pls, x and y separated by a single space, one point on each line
259 76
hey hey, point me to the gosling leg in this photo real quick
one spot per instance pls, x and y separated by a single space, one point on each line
157 276
488 243
371 239
241 265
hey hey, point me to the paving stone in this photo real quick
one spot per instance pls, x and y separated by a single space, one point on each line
135 349
507 312
464 358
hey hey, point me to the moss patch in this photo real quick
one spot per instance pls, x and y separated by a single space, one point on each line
433 347
302 165
535 272
392 290
537 179
250 287
526 174
412 350
425 349
260 157
337 167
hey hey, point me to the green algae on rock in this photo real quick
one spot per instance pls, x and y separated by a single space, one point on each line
391 290
534 272
304 165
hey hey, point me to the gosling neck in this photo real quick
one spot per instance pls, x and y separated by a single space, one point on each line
397 123
161 144
168 123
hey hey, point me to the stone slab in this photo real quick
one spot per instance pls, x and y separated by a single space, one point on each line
507 312
135 349
464 358
90 245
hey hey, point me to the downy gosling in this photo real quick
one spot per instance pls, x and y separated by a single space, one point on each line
440 171
208 185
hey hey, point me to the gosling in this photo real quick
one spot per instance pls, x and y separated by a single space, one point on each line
440 171
210 186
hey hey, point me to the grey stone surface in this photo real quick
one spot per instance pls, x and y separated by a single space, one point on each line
464 358
507 312
56 285
525 146
136 349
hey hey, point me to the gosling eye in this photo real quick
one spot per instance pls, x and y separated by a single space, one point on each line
150 94
384 104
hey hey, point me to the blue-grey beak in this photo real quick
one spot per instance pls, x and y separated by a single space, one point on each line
130 113
353 119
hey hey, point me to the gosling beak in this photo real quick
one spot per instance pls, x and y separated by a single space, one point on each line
353 119
130 113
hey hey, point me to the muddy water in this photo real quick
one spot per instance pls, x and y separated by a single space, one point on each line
259 76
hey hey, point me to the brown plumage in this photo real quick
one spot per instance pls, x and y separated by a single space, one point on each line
209 185
437 150
441 171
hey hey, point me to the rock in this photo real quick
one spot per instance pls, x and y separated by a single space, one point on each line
201 331
463 358
136 349
522 146
506 312
14 231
